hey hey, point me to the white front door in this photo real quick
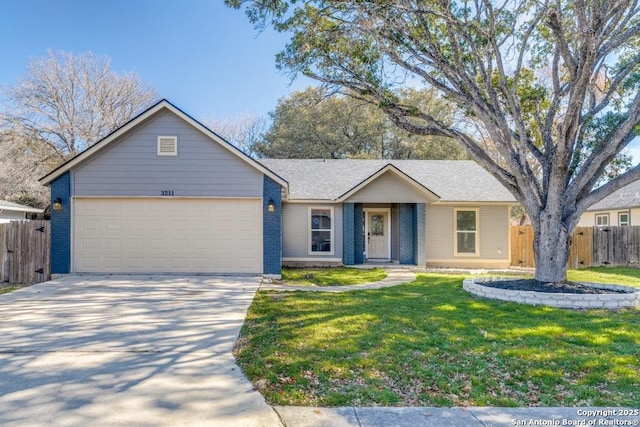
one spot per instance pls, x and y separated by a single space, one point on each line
377 230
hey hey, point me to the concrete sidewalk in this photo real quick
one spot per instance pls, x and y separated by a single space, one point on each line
394 277
294 416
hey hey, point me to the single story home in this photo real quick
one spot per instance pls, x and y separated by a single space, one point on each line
622 207
165 194
10 211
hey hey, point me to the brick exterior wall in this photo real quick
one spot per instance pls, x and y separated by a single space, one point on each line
358 236
271 228
420 248
61 226
348 234
407 231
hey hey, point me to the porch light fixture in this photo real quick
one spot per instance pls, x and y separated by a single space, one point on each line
57 204
271 207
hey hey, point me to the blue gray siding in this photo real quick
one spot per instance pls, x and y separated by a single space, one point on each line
272 228
131 166
61 226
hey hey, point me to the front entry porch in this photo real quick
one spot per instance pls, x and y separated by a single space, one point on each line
384 233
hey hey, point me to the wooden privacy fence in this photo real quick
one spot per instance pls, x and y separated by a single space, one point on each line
590 246
24 252
580 255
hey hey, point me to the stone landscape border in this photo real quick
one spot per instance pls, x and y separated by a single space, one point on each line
629 299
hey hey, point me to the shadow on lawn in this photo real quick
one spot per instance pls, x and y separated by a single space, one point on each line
430 343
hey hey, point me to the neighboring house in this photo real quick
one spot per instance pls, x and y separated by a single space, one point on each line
10 211
164 194
622 207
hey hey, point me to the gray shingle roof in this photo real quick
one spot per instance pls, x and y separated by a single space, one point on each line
626 197
10 206
452 180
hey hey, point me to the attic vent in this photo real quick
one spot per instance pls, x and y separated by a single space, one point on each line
167 146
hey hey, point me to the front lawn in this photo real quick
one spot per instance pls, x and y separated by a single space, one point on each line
429 343
339 276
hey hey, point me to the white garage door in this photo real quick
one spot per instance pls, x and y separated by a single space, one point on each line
167 235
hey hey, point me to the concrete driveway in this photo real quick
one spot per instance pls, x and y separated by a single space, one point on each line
130 350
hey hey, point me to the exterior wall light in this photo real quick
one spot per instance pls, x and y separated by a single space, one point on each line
271 207
57 204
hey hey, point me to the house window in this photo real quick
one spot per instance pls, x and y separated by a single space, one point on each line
321 231
602 220
623 218
167 146
466 231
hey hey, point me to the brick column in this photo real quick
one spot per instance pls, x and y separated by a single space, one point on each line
271 228
407 233
61 226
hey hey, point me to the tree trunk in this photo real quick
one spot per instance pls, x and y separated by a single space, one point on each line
551 245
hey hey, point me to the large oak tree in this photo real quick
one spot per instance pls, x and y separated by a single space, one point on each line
316 124
547 91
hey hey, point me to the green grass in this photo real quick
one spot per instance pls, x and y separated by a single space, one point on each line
7 289
332 276
610 275
429 343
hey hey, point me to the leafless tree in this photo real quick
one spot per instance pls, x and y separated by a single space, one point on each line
64 104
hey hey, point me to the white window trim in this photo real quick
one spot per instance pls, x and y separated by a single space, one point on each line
310 230
628 214
602 215
175 145
455 233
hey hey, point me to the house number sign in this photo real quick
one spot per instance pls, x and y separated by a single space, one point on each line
166 192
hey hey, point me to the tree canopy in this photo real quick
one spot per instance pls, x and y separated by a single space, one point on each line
316 124
546 92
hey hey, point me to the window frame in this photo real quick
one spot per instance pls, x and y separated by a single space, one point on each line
310 231
175 145
627 222
476 253
602 215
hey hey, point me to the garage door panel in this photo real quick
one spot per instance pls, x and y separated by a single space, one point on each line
167 235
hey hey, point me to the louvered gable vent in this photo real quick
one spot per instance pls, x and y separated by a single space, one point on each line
167 146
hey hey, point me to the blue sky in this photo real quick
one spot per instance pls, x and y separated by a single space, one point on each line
201 55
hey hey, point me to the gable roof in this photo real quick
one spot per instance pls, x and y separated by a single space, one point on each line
10 206
142 117
331 180
389 168
624 198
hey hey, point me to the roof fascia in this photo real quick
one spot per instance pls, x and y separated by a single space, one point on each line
390 168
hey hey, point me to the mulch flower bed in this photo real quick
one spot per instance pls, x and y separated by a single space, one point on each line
537 286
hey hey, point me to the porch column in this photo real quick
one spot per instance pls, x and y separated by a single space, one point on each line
407 232
358 234
348 233
420 256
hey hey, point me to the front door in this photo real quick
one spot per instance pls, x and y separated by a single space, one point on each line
377 229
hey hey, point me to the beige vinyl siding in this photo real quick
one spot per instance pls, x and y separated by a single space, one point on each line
131 166
295 231
493 235
588 219
387 188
